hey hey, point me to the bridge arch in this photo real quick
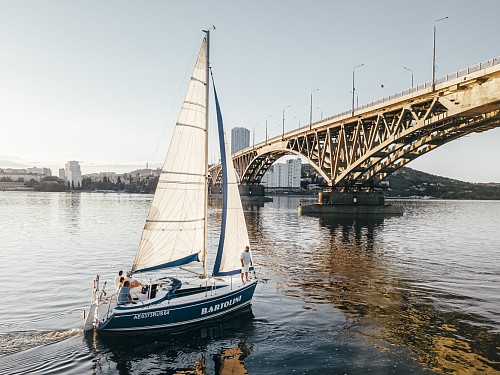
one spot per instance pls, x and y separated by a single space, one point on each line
261 163
360 150
251 167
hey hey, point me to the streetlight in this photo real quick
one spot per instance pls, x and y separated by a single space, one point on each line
311 111
321 109
411 74
434 54
266 126
357 98
353 89
283 136
297 119
254 135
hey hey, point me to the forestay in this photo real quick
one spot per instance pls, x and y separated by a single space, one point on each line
234 235
173 234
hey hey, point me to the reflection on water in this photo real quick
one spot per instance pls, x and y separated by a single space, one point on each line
352 272
211 347
418 293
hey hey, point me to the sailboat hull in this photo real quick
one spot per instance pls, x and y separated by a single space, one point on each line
175 312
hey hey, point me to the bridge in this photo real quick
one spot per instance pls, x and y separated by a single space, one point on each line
359 148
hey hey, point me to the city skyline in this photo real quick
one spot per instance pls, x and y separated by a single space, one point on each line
107 90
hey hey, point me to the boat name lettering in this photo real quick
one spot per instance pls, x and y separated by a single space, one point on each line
152 314
219 306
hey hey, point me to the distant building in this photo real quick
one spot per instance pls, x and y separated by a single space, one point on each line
283 175
240 139
99 176
62 174
25 175
73 173
44 171
143 173
294 172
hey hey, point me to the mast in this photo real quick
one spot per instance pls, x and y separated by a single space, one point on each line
206 155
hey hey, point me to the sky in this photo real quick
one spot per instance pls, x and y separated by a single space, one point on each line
101 82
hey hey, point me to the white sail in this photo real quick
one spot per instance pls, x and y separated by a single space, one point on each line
174 230
234 234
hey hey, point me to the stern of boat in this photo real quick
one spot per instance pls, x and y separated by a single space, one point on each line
91 315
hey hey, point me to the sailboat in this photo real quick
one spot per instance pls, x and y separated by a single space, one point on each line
175 232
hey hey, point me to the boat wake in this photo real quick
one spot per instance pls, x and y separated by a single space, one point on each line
15 342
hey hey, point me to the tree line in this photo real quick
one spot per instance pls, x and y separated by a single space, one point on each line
55 184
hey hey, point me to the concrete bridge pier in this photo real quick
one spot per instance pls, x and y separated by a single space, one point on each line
252 192
351 203
245 190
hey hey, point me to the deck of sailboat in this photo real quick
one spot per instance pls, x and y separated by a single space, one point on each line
187 292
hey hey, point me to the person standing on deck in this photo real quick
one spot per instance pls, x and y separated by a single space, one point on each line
246 263
118 281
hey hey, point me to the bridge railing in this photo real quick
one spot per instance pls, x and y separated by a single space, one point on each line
423 86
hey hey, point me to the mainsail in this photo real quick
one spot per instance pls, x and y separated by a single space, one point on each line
234 235
173 234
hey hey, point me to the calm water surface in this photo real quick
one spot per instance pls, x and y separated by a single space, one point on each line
418 293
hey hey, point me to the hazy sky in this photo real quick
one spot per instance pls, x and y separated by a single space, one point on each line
101 81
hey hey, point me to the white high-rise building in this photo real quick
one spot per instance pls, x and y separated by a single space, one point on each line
294 172
73 173
283 175
240 139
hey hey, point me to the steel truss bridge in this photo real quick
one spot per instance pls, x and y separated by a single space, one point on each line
359 148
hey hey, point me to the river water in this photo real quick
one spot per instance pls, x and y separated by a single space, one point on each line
418 293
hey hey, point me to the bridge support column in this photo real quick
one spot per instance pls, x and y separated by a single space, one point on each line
350 204
252 190
245 190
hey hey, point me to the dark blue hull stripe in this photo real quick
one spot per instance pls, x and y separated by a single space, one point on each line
214 316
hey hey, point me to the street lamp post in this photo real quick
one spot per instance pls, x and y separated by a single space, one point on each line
321 109
283 135
266 126
411 74
357 98
297 119
254 135
353 89
311 111
434 53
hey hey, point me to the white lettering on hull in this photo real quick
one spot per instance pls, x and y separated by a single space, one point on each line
219 306
153 314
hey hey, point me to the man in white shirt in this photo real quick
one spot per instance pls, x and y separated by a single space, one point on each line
246 263
117 280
